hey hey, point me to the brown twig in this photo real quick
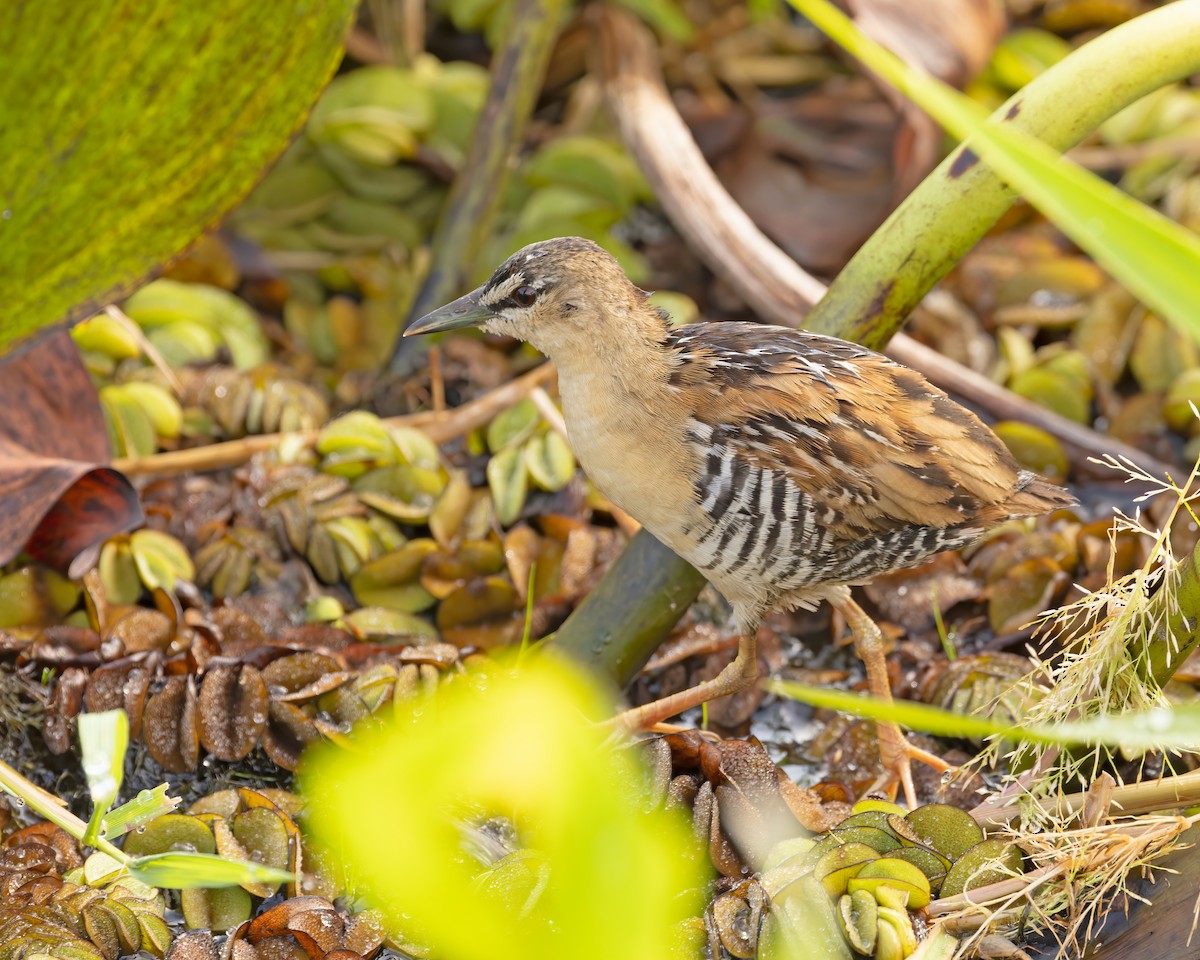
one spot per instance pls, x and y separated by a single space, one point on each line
441 428
437 383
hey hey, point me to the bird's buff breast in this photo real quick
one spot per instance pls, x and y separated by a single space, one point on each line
632 456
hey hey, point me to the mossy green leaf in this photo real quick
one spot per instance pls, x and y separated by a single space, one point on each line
127 135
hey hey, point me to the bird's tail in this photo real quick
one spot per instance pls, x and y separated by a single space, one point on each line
1034 496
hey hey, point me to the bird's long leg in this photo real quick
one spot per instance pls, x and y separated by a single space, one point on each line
738 675
895 751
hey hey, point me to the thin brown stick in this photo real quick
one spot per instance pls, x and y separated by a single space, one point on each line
733 247
441 428
437 383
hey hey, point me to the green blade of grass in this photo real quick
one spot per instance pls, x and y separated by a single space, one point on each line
1162 728
915 716
1154 257
143 808
184 870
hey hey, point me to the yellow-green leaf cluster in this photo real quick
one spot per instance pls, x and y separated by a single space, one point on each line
608 873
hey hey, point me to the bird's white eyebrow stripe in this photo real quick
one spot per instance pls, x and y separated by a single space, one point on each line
501 290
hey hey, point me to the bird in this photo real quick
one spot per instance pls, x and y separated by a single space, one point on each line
786 466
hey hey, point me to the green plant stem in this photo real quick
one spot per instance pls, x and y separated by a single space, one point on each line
961 200
917 245
623 620
518 67
48 806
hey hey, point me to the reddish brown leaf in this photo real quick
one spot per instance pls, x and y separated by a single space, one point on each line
276 921
65 703
232 710
170 731
61 502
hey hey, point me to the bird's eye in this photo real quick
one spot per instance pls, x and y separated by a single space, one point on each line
525 296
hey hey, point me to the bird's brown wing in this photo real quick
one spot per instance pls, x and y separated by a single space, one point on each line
872 445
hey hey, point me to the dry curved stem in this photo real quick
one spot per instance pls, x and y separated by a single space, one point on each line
440 427
719 230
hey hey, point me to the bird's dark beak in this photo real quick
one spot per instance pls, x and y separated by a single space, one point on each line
463 312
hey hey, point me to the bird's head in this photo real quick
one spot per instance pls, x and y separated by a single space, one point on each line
557 294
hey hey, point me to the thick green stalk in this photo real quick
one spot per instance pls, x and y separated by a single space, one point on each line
624 619
960 201
518 67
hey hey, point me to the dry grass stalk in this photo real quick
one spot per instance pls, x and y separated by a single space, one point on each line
1082 859
1100 639
1079 874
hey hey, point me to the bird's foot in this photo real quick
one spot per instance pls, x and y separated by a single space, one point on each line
737 676
897 753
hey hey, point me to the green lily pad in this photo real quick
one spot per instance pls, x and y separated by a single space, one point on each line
989 861
508 479
946 829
